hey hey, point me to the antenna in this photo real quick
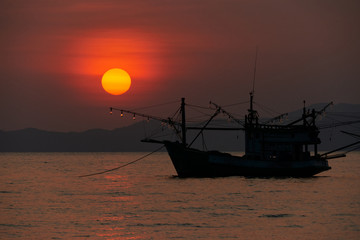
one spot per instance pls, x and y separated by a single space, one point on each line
253 88
252 113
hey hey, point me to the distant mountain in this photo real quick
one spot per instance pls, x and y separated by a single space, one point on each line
95 140
127 139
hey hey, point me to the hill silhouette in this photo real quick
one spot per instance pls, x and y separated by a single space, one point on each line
127 139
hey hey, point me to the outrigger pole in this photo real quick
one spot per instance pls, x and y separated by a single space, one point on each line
347 146
204 127
174 124
341 148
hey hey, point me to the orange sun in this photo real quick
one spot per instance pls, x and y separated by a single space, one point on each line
116 81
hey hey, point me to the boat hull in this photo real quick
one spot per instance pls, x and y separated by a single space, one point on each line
189 162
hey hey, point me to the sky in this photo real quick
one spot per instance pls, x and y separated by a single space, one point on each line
54 53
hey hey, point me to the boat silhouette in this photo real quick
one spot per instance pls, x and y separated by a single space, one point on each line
271 150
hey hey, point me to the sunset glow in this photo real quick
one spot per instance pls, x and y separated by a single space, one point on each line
116 81
172 49
137 53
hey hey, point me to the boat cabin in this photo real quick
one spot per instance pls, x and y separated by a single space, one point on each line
280 142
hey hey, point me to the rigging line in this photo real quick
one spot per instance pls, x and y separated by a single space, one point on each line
199 117
161 130
203 113
228 105
343 115
158 133
351 150
197 106
156 105
265 108
266 111
197 114
124 165
333 125
332 119
177 111
351 112
235 104
337 123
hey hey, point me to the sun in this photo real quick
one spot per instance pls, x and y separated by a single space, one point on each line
116 81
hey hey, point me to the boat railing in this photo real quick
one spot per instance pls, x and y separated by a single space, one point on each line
281 127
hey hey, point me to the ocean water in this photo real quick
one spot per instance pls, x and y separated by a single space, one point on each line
42 197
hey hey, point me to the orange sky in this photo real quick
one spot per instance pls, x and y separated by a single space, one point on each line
53 54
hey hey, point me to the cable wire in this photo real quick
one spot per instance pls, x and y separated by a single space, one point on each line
113 169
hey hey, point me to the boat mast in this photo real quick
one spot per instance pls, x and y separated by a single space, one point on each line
183 121
252 112
256 54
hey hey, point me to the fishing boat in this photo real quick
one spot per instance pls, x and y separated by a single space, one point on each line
271 150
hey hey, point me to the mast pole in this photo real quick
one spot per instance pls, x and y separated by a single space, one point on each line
256 54
251 110
183 121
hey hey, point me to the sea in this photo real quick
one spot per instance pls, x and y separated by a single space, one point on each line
43 197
